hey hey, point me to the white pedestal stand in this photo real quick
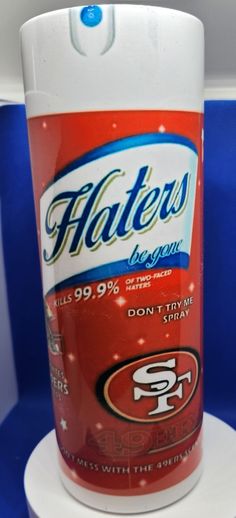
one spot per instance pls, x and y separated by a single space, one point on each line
213 497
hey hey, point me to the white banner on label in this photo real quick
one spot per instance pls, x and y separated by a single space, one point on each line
124 207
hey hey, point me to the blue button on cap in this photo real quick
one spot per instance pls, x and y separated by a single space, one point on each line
91 15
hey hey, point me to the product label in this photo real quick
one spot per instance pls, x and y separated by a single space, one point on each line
118 199
126 206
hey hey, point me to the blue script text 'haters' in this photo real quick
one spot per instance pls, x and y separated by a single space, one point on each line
141 211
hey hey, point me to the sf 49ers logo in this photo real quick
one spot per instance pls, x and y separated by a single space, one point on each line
162 384
151 388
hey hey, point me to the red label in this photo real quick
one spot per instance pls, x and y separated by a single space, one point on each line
124 328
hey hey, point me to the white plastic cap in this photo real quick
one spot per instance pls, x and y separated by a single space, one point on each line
113 57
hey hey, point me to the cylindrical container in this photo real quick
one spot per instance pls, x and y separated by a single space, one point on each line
114 98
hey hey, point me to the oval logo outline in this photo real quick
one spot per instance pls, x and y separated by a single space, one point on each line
105 380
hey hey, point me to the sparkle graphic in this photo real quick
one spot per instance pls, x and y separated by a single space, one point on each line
143 482
63 424
71 357
199 183
99 426
114 125
44 125
167 335
162 129
191 287
116 356
120 301
141 341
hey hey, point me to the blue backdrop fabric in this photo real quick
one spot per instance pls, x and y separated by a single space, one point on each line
32 418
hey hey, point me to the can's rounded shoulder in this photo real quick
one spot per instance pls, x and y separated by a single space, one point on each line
163 11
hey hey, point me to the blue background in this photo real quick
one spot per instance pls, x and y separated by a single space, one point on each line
32 417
